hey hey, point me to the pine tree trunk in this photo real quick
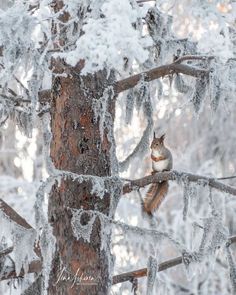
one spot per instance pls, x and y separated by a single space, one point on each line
77 147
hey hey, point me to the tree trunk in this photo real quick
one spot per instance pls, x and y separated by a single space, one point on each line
77 147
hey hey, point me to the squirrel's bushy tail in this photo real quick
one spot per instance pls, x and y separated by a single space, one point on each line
155 196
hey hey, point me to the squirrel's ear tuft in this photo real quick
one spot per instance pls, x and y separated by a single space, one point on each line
162 137
154 135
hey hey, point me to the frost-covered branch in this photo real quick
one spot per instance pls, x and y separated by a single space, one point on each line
152 74
139 273
15 217
9 272
6 251
22 85
175 175
36 266
157 73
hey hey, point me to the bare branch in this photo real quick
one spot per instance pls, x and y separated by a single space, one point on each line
13 215
157 73
33 8
193 57
12 92
226 177
175 175
143 1
162 266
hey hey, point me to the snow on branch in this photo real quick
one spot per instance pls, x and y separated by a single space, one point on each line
139 273
152 74
175 175
158 72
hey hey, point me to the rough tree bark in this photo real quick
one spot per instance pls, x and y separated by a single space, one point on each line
77 147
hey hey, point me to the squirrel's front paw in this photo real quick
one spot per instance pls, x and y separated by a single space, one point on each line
153 172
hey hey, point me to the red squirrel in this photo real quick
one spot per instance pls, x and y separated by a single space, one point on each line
161 161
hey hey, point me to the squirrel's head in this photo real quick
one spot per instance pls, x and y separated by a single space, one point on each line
157 142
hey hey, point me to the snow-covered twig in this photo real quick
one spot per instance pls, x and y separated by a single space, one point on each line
175 175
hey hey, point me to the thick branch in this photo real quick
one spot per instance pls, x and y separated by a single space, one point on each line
157 73
162 266
175 175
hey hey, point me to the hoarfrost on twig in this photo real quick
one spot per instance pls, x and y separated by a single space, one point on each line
232 268
23 242
152 269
